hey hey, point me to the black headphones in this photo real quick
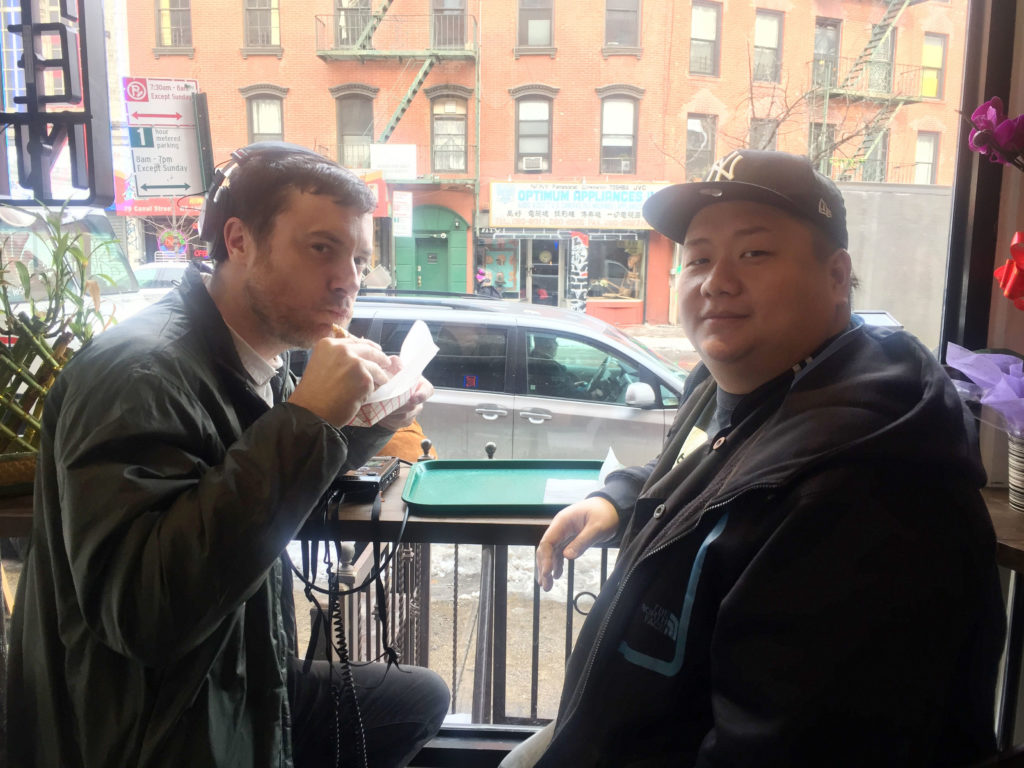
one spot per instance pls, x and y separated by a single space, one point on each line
215 206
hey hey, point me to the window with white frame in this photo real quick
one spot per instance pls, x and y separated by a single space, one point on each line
926 157
449 134
700 145
266 118
618 135
767 46
533 134
705 28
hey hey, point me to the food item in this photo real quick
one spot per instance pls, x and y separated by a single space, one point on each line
339 332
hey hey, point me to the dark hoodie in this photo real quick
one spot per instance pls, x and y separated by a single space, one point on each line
818 589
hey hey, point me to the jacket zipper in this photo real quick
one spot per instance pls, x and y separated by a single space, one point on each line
585 677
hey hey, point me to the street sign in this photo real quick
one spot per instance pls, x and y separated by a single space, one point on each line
162 136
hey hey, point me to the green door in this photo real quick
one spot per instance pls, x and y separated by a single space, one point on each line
431 264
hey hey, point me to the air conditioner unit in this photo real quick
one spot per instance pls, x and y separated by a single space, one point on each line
627 165
533 163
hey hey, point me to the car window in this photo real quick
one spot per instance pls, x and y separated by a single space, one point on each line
563 366
470 355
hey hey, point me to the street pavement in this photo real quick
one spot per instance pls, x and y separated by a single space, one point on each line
669 341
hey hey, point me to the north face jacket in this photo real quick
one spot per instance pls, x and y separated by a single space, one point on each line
149 628
826 596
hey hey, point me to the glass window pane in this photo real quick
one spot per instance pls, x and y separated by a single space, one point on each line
705 22
533 110
538 32
533 145
266 115
766 30
618 116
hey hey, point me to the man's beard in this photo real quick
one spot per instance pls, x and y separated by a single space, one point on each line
277 318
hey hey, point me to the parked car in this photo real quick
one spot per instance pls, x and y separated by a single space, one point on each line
158 277
540 382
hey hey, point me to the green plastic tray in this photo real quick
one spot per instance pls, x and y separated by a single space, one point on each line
493 487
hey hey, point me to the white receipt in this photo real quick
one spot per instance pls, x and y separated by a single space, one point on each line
570 490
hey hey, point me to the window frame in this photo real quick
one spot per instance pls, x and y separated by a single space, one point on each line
340 100
251 42
940 76
881 162
635 105
448 34
526 14
166 9
519 155
776 59
936 138
612 46
356 15
716 43
463 119
250 103
829 61
706 120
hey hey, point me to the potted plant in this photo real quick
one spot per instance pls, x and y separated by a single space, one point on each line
50 303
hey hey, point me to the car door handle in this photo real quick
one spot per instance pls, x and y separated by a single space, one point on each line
491 412
536 417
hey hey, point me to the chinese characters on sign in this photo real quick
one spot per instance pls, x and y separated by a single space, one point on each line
559 206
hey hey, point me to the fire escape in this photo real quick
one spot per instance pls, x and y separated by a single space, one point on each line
419 43
870 80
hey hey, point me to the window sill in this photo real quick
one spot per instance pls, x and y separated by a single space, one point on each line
263 50
621 50
174 50
534 50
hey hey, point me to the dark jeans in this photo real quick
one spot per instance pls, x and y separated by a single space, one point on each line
401 710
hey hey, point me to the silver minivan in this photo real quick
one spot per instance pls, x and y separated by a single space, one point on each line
539 382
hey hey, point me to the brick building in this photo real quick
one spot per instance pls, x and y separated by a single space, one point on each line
510 134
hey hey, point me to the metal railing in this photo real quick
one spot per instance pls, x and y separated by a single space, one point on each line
465 612
361 32
871 79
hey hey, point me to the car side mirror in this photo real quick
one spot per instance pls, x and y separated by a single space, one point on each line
640 395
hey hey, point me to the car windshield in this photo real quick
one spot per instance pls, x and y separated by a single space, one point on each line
624 338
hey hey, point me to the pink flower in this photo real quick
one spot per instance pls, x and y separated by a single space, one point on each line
994 135
989 114
1009 134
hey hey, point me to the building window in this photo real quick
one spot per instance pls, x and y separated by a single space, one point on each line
449 23
767 46
355 130
262 24
174 22
704 31
449 134
926 158
821 144
622 23
533 134
352 17
877 157
826 52
764 133
266 121
700 145
618 136
535 23
880 68
933 66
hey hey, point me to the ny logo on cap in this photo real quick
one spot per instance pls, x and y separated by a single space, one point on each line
725 169
823 208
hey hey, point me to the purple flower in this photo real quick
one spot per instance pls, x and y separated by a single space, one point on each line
994 135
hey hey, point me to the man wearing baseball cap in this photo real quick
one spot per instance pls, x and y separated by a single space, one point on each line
806 574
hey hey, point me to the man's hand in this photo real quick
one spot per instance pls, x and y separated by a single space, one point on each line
340 375
572 530
404 416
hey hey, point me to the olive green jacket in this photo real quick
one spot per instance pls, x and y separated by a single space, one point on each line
149 627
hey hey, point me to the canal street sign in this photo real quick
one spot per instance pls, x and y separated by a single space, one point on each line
162 137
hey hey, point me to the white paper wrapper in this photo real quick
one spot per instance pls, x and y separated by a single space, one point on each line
418 350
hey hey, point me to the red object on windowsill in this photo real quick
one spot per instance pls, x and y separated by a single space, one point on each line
1011 274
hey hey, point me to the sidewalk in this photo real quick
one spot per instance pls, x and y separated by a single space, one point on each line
669 341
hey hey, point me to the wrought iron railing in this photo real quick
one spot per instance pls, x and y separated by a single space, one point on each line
359 31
